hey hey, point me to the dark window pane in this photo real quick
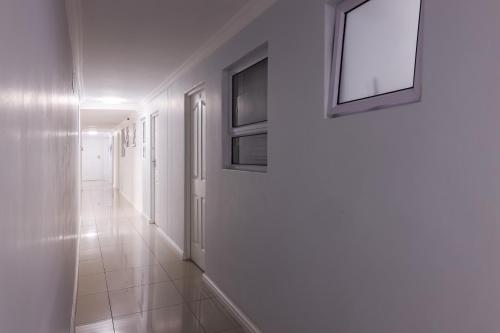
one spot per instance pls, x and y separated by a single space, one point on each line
250 150
250 95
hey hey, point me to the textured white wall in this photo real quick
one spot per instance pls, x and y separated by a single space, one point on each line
39 168
380 222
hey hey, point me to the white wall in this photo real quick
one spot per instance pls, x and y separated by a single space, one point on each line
94 168
171 172
132 170
39 168
380 222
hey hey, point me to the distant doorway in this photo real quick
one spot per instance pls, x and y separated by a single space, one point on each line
96 157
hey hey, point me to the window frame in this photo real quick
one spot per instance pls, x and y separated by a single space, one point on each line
253 58
377 102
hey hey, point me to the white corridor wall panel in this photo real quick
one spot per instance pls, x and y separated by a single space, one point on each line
39 168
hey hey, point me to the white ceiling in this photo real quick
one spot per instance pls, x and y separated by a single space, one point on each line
102 119
129 47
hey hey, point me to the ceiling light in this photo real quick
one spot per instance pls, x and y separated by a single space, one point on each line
111 100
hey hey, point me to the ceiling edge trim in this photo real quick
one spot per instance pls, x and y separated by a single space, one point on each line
240 20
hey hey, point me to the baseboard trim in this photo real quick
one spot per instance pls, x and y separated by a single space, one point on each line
170 241
134 206
129 201
163 233
244 321
148 219
75 289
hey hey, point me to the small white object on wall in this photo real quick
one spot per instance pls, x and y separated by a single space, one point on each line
134 134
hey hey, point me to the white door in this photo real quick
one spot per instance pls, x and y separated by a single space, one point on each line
96 158
198 177
155 181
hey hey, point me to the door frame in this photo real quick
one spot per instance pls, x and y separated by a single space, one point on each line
152 166
188 127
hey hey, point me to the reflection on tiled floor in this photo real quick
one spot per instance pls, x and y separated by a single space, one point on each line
132 281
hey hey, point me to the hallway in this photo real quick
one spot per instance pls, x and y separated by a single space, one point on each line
323 166
132 281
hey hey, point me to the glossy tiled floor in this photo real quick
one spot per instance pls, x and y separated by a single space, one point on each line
131 280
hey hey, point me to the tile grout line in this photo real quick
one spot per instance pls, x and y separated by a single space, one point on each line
143 232
150 310
171 280
78 273
150 249
198 320
106 279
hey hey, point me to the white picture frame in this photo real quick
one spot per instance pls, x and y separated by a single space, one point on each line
134 134
127 136
122 141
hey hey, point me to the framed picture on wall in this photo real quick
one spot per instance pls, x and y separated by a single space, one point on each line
127 132
122 141
134 134
143 122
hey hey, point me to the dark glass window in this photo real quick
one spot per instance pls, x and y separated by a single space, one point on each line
249 95
250 150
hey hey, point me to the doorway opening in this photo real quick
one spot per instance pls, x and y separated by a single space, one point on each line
195 182
96 156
